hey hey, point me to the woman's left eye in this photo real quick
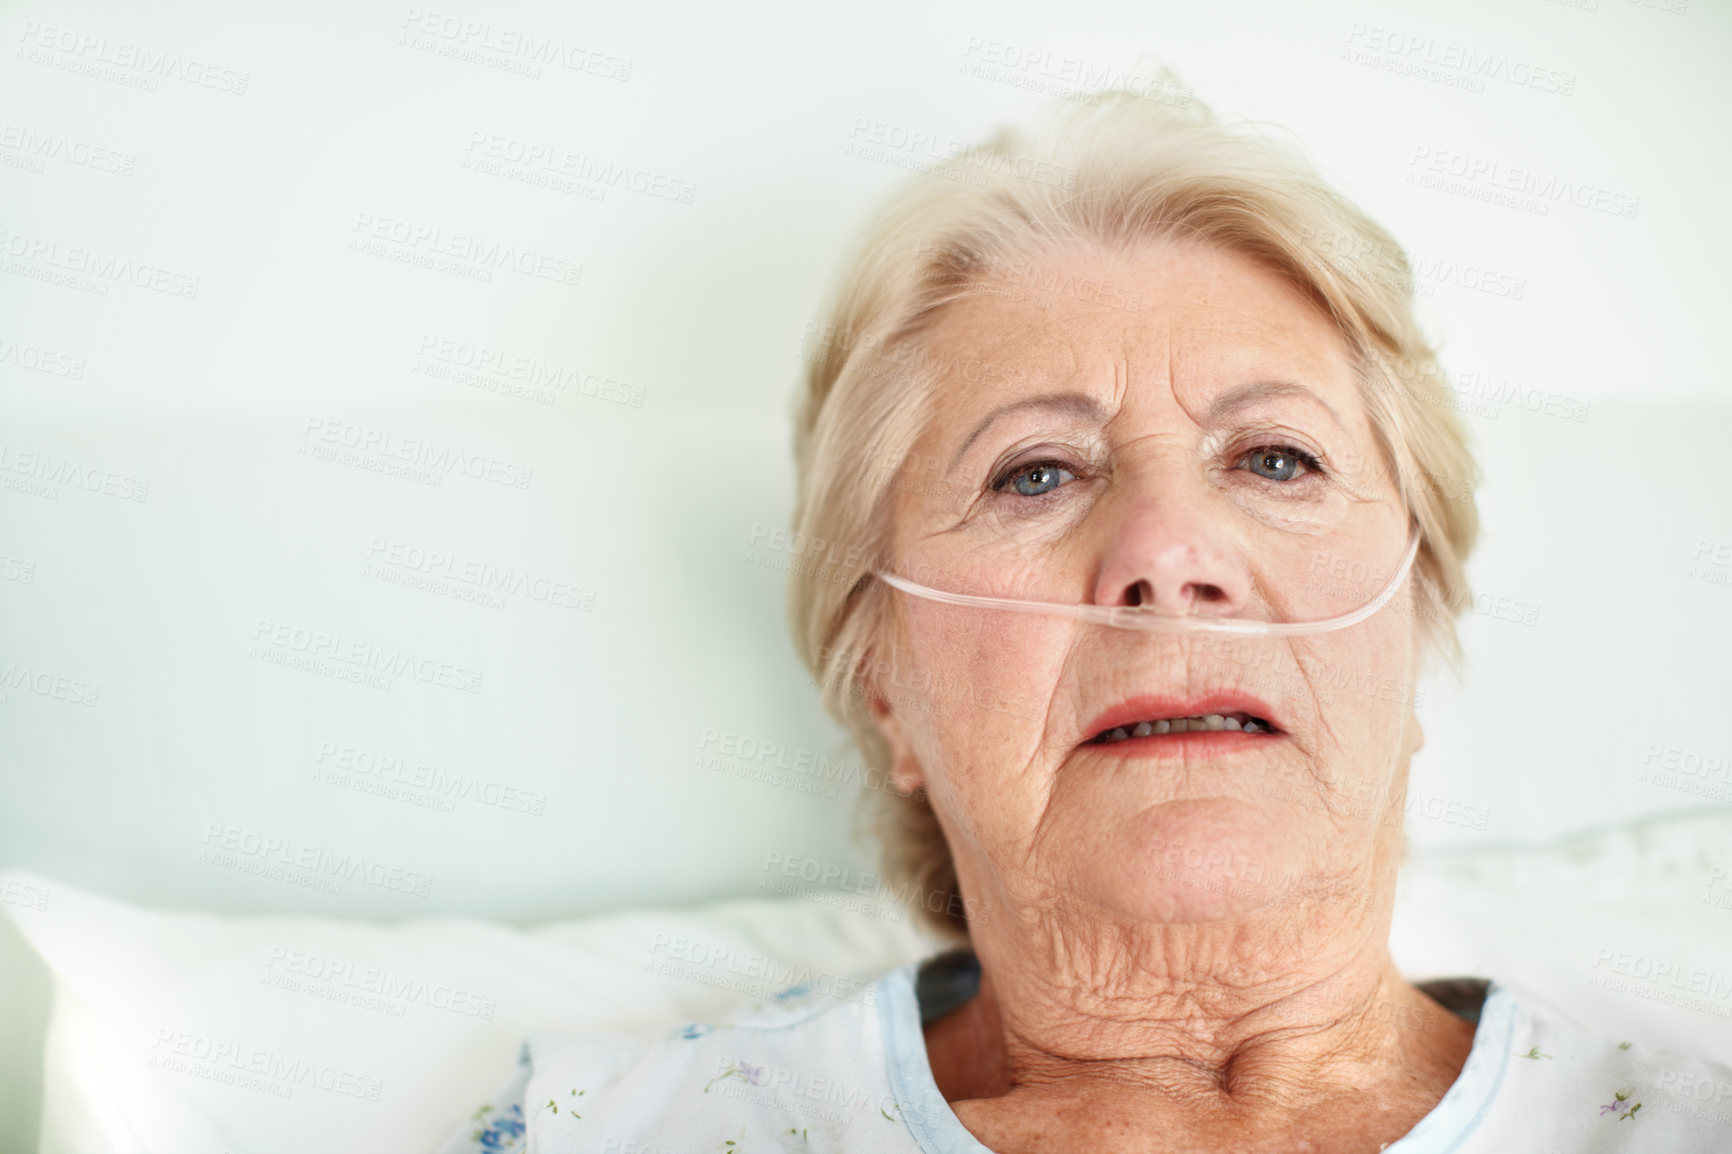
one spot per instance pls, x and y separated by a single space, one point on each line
1035 480
1279 462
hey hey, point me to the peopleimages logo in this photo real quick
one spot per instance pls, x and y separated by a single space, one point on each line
481 575
466 248
495 370
370 772
1664 980
386 447
39 147
254 1067
728 967
1429 58
516 45
88 51
280 643
226 845
43 683
306 971
40 360
104 266
536 162
53 470
1490 175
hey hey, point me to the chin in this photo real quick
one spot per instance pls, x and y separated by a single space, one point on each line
1200 861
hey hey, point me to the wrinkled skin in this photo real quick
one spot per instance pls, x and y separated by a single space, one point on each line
1188 940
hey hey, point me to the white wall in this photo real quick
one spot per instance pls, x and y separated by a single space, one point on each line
353 114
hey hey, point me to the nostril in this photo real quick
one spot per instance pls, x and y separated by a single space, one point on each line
1190 594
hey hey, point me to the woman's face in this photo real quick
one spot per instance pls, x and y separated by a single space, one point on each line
1172 426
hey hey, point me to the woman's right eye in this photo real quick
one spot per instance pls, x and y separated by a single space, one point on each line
1034 480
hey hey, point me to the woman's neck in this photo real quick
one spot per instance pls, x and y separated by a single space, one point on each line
1248 1058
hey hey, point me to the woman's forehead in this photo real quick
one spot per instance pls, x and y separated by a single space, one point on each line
1183 320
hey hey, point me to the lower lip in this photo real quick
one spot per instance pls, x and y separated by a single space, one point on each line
1208 741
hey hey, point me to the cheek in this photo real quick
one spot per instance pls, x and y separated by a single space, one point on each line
988 671
1362 692
980 716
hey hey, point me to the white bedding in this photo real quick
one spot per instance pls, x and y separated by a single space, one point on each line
188 1033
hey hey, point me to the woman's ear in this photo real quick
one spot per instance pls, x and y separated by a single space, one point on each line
1416 734
906 774
1416 739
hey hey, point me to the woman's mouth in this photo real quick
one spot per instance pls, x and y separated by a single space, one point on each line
1231 721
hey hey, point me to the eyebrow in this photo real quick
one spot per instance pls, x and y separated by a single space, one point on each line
1085 406
1075 404
1256 392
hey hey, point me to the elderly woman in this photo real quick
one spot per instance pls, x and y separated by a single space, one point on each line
1158 503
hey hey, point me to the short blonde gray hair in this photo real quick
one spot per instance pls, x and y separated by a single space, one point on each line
1113 171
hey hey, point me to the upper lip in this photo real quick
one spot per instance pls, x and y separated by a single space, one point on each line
1154 707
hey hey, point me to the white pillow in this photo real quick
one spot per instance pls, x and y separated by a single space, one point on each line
1627 931
187 1033
385 1037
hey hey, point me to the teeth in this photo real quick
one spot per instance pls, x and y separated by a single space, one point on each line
1207 723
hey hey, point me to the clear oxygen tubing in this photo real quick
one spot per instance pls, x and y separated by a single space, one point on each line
1150 619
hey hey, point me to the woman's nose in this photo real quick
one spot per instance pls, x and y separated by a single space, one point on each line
1171 551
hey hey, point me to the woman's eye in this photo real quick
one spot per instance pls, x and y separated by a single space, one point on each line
1035 480
1279 462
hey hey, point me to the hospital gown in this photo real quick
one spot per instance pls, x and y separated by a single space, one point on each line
818 1072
